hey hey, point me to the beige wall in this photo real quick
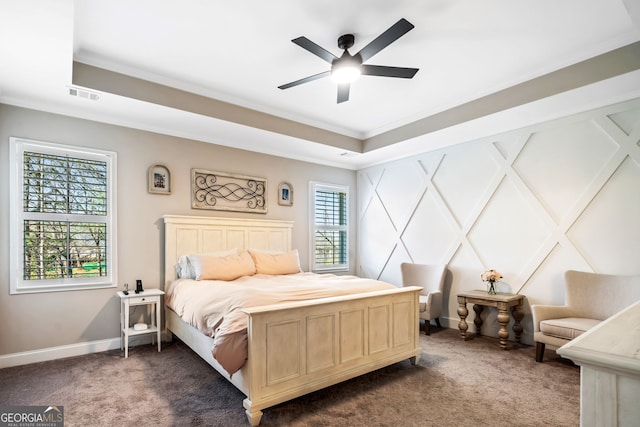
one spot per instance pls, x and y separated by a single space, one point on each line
530 203
40 321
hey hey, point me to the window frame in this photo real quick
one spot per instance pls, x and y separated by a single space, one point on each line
18 285
315 186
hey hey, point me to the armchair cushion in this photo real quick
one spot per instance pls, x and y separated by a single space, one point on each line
546 312
567 328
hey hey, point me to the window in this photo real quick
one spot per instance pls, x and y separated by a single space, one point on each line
329 233
62 217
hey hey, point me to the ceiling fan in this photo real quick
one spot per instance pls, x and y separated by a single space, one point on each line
348 68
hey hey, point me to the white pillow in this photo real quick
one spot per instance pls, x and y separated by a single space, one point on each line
276 262
228 267
184 267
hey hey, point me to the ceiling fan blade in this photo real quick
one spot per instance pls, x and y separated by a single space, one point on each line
383 71
305 80
343 92
396 31
307 44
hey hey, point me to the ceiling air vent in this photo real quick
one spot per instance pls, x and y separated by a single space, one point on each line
348 154
83 93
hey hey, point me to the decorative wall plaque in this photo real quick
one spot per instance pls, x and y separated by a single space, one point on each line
159 179
285 194
228 192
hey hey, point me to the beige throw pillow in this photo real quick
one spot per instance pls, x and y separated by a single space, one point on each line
228 267
184 267
276 262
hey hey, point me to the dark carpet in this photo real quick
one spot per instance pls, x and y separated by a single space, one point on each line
456 383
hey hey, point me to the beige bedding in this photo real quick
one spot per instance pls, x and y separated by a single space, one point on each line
214 306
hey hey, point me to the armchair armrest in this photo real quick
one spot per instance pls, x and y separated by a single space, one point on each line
436 297
545 312
434 304
431 295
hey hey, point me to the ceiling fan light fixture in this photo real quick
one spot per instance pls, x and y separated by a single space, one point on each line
346 69
347 73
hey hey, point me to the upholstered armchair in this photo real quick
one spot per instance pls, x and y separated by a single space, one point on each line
431 279
590 298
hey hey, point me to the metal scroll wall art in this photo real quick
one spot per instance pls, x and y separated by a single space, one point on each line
219 191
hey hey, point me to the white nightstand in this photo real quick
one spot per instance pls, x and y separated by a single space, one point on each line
149 297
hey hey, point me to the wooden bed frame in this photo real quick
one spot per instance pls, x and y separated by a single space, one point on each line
295 348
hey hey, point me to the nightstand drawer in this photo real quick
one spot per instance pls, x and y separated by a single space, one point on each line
143 300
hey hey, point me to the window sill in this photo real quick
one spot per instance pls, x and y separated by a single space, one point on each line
62 288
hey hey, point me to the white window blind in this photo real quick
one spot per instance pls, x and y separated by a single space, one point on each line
63 225
329 217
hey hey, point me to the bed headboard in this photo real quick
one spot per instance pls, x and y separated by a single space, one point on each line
197 234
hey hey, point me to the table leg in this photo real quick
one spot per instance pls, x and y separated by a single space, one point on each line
126 326
462 312
153 320
517 313
478 319
503 319
158 323
121 325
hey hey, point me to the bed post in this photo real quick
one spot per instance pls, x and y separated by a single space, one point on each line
253 417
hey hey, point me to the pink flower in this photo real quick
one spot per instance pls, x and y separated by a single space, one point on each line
491 276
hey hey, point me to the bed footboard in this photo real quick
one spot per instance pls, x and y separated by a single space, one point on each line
298 348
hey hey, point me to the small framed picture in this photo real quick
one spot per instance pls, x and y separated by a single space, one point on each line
159 179
285 194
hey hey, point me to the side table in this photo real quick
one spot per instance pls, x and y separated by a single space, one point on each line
149 297
501 301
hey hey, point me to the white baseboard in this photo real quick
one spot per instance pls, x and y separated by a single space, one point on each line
60 352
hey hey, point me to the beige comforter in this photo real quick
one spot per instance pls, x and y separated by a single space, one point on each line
214 306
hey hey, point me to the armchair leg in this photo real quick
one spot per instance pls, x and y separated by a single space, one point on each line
438 322
427 327
539 351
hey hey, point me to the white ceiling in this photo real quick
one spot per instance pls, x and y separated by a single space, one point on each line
239 52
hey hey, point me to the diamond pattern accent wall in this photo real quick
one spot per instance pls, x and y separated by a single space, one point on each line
530 203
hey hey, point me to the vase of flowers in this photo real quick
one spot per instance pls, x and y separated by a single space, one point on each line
491 277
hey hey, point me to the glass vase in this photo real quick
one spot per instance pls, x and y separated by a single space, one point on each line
491 287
